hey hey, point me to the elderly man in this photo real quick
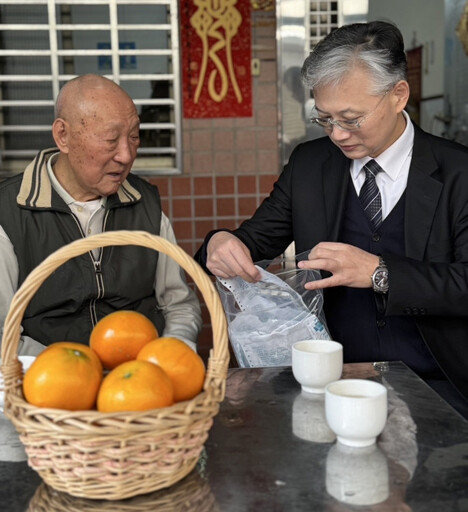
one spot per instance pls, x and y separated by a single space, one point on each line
383 208
83 187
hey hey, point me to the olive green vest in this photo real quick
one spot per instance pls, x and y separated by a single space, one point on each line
82 290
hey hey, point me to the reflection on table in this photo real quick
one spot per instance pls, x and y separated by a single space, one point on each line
190 494
271 449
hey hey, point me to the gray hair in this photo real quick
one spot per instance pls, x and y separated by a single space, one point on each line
376 47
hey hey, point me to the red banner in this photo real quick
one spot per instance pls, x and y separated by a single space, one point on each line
216 56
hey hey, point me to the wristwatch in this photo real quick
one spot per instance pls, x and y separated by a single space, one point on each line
380 277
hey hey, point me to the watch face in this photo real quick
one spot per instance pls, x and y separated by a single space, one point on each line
380 280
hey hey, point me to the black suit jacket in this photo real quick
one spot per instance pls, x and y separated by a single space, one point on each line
431 282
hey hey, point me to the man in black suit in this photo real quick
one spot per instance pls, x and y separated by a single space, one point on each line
383 208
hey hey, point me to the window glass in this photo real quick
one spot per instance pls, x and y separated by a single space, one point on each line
132 43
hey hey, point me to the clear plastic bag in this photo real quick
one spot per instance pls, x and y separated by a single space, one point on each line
267 317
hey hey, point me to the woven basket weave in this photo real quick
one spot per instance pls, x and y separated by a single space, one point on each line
113 456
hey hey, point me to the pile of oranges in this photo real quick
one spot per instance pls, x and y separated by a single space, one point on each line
126 367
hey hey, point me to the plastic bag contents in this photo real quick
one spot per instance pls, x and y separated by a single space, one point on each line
265 318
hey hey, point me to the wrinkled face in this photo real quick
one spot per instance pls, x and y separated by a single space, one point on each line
102 137
381 120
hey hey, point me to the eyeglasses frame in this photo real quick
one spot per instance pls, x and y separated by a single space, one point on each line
330 123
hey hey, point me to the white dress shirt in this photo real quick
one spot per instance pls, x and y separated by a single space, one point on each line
178 302
395 162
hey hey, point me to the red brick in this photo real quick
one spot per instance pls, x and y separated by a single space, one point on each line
247 184
183 228
181 186
165 205
204 207
203 186
181 208
225 207
224 185
247 205
266 183
187 246
202 227
162 184
229 223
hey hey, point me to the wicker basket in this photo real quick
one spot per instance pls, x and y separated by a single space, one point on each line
114 456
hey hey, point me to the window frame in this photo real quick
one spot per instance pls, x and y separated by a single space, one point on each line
150 161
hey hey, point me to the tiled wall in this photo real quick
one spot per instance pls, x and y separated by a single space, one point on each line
230 164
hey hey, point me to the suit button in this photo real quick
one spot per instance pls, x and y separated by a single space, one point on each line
422 311
381 323
376 237
415 311
407 311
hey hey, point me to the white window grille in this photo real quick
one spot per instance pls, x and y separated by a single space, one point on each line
44 43
324 16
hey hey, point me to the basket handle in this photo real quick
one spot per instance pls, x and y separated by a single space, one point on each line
219 354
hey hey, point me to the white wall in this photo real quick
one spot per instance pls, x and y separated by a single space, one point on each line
421 23
456 72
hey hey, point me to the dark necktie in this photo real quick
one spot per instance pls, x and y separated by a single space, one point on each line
369 196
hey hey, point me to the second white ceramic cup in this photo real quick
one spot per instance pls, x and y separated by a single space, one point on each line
356 410
315 363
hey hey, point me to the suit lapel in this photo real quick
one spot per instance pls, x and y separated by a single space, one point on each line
422 196
335 184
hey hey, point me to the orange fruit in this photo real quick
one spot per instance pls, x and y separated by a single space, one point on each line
185 367
135 386
65 375
119 336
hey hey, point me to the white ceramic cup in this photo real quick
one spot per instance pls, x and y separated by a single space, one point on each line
356 410
358 476
315 363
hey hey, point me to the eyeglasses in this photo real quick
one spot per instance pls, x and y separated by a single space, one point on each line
348 125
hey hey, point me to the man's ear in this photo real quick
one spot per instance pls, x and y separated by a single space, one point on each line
401 93
60 133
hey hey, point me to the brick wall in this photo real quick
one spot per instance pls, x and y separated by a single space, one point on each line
230 164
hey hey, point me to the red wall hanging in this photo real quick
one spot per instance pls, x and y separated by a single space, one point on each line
216 56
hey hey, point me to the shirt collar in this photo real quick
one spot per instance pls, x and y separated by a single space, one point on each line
68 199
393 158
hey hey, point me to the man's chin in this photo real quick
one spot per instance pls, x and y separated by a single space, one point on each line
353 152
109 190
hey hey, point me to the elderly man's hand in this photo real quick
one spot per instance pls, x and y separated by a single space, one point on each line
349 265
228 257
